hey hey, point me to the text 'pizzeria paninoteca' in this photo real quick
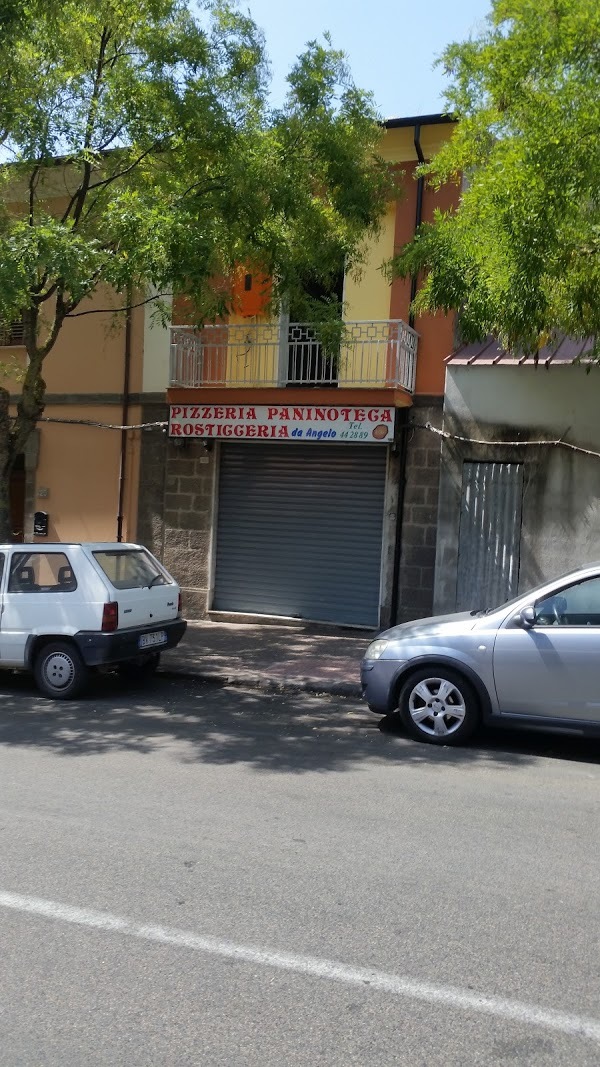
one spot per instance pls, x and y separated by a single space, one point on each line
283 422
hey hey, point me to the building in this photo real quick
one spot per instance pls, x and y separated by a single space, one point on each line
78 479
516 508
296 481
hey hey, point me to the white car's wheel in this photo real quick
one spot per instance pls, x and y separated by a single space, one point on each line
60 671
439 706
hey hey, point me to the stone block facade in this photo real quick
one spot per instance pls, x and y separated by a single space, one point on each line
420 513
177 487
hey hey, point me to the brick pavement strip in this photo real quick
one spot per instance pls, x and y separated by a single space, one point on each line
270 658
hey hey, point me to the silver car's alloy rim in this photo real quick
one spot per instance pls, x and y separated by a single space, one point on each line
59 670
437 707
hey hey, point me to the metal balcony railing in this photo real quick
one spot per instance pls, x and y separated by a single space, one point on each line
378 354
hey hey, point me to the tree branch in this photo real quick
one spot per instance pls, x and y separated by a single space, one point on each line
121 174
115 311
32 186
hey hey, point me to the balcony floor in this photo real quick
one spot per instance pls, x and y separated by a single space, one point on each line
298 395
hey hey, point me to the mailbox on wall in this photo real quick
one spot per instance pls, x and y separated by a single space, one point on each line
40 524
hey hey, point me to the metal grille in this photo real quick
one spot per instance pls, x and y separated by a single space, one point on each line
379 353
299 531
490 534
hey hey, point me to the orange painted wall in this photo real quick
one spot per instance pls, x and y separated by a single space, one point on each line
436 332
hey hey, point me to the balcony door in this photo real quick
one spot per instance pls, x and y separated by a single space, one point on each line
309 362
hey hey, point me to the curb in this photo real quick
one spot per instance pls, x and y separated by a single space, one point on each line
266 684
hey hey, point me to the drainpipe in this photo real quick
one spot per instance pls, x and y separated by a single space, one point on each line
401 431
418 213
124 414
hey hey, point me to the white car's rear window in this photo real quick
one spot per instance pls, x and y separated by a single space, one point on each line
129 568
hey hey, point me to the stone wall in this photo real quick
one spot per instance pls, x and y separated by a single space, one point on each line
420 512
175 512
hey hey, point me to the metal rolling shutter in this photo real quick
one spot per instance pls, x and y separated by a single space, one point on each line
299 531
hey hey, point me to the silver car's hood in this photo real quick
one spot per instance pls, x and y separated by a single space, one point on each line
459 623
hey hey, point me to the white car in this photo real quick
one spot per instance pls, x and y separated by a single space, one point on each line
68 609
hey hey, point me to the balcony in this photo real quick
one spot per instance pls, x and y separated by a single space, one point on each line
378 355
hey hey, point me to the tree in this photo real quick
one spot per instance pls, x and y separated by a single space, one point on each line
141 155
520 257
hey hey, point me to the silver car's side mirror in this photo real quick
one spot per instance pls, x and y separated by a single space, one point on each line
526 617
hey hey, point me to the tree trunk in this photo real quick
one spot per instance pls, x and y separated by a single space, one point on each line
7 460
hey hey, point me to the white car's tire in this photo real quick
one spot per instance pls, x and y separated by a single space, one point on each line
59 671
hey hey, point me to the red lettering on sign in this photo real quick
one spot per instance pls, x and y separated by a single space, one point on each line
238 430
195 413
175 412
386 415
373 415
284 413
333 414
226 430
230 413
359 415
272 413
175 429
188 429
283 431
298 414
263 431
319 415
251 413
346 414
209 429
218 413
251 430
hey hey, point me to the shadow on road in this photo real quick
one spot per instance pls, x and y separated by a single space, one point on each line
223 725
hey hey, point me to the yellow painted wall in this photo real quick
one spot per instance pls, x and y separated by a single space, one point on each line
367 294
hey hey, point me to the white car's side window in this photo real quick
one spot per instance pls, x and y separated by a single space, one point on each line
41 572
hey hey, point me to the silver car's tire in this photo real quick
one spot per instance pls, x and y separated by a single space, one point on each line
60 671
439 706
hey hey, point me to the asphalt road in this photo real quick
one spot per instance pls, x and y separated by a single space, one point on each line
208 876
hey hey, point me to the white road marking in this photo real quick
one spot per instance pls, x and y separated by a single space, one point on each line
310 966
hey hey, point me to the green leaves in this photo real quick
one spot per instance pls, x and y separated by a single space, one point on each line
519 257
143 152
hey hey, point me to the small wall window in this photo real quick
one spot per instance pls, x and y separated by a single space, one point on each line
41 572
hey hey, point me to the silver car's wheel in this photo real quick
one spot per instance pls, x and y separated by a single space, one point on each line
438 706
59 671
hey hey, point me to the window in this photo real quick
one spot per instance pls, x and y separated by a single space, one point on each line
11 333
41 572
1 566
577 605
130 568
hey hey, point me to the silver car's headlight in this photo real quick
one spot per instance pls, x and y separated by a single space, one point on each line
376 649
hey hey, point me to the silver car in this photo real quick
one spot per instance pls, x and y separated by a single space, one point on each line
534 659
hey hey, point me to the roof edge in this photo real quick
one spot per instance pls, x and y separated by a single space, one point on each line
419 120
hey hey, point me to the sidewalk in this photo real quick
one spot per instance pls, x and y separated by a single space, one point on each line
302 658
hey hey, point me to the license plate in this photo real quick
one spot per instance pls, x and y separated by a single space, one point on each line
150 640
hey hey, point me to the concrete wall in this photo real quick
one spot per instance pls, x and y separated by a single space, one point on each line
419 513
561 493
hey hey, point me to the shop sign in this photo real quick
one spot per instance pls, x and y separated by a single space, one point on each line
283 422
